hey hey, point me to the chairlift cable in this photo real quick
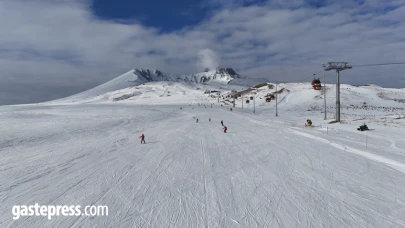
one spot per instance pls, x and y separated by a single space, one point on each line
378 64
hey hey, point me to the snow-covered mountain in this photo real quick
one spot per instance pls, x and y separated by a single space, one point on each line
135 77
153 87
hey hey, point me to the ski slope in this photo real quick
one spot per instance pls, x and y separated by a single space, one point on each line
265 172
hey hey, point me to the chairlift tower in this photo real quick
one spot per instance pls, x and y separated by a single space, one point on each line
338 66
242 99
276 99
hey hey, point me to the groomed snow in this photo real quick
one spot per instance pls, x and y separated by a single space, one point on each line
266 171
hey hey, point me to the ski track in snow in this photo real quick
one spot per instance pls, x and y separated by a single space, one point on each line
394 164
260 173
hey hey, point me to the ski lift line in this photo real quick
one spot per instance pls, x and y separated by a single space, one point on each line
318 72
378 64
359 65
308 78
313 75
328 73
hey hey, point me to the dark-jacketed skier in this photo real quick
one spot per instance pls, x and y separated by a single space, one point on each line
142 139
222 122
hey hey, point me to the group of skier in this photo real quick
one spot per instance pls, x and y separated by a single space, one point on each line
222 123
142 137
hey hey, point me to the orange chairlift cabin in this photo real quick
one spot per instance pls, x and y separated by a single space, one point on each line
269 97
316 84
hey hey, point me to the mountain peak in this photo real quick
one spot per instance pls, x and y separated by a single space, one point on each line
229 71
220 75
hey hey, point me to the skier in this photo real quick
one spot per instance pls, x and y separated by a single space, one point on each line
363 127
197 120
222 122
209 119
142 139
225 128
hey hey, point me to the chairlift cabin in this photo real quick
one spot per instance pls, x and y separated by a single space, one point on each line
247 101
316 84
251 98
268 99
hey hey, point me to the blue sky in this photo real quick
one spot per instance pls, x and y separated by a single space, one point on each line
167 16
66 46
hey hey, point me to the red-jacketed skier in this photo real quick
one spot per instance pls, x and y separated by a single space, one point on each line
142 139
225 128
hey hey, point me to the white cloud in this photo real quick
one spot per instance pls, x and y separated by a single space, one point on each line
61 43
208 59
